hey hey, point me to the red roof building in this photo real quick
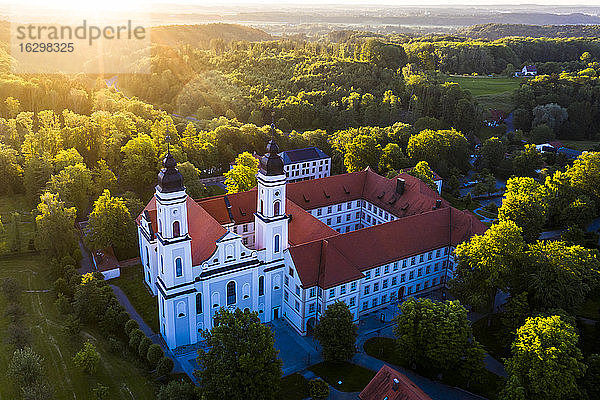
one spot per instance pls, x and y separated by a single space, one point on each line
292 249
390 384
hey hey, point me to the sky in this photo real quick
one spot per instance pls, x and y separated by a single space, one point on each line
128 4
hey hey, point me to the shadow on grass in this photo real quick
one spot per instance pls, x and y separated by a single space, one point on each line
354 378
293 387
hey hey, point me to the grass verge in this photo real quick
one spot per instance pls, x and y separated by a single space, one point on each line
131 282
354 378
293 387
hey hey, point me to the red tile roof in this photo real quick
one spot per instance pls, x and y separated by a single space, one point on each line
203 229
381 244
383 386
243 207
367 185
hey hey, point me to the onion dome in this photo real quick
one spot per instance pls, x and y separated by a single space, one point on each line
271 164
169 178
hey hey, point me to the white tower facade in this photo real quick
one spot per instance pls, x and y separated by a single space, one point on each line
270 220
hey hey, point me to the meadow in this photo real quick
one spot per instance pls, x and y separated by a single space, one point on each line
123 377
490 92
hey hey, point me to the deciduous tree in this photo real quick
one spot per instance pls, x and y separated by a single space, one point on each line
337 333
242 346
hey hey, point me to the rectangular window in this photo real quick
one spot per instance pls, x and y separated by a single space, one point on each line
331 293
411 275
421 258
339 207
286 280
368 275
420 272
357 215
297 306
437 253
426 284
343 289
374 302
396 266
348 217
429 255
312 292
403 278
329 210
291 272
338 219
418 287
377 271
403 263
428 269
245 241
353 286
235 229
383 298
311 308
365 305
386 269
352 301
286 296
318 211
385 284
445 251
245 227
375 287
410 288
328 221
297 290
434 282
366 290
394 281
436 267
318 307
349 205
412 261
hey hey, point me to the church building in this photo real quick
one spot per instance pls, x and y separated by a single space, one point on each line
289 250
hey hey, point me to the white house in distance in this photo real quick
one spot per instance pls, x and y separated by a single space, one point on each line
305 164
289 250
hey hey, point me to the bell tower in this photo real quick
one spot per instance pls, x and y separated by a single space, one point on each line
270 220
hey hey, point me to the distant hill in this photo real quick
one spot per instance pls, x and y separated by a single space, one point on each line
497 31
202 35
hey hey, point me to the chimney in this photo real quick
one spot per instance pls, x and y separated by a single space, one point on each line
400 183
396 385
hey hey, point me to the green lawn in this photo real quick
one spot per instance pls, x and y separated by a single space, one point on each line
489 92
26 226
293 387
581 145
132 283
125 380
354 378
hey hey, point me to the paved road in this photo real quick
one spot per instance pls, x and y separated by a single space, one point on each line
86 264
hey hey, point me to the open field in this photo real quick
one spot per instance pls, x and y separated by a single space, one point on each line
581 145
10 205
125 380
489 92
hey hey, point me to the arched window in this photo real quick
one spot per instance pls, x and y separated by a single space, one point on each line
147 258
245 291
162 265
276 206
261 285
215 300
261 206
229 252
176 229
276 244
231 298
199 303
180 309
178 267
160 226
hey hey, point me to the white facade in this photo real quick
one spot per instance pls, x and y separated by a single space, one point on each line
252 267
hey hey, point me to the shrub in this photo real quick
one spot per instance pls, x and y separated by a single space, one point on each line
130 326
11 289
154 354
38 391
72 325
18 335
164 366
14 311
87 358
144 346
318 389
100 392
178 391
135 337
26 366
115 346
63 305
